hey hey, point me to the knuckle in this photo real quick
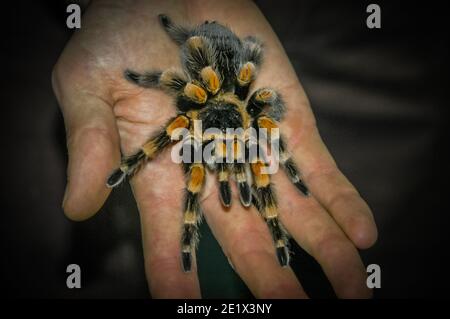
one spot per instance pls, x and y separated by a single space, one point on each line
241 247
162 264
328 170
345 195
89 139
331 247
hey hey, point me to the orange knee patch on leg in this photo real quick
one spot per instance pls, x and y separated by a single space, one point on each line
195 93
246 74
150 149
195 42
267 123
180 122
210 79
190 217
265 95
270 211
197 176
261 179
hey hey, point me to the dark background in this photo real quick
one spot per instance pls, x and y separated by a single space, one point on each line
380 101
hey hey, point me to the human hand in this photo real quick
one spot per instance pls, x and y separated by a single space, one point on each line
104 113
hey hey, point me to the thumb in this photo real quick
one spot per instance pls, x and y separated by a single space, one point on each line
93 146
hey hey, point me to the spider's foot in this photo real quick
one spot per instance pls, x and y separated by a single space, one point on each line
147 80
283 256
131 76
245 194
302 187
115 178
164 20
225 193
186 258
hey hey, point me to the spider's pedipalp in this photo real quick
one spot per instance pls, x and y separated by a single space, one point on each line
224 170
224 184
240 173
245 193
192 213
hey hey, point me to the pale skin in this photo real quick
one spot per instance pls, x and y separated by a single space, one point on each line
105 114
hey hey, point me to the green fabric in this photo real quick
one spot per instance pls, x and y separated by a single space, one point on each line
217 278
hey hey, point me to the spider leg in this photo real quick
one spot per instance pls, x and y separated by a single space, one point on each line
170 80
253 50
192 212
176 32
245 77
148 151
199 58
190 94
286 161
224 184
210 79
266 203
290 167
266 97
241 174
224 170
251 59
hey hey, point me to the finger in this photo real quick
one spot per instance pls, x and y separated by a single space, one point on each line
328 185
333 190
93 147
161 219
316 232
245 240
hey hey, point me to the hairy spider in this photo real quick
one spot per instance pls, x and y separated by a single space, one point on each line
218 69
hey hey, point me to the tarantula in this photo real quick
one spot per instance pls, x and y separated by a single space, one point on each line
218 69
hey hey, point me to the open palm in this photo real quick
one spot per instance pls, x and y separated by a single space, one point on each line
104 115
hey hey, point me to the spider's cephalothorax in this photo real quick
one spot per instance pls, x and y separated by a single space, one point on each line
213 87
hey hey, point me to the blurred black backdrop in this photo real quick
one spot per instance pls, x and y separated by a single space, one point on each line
380 101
